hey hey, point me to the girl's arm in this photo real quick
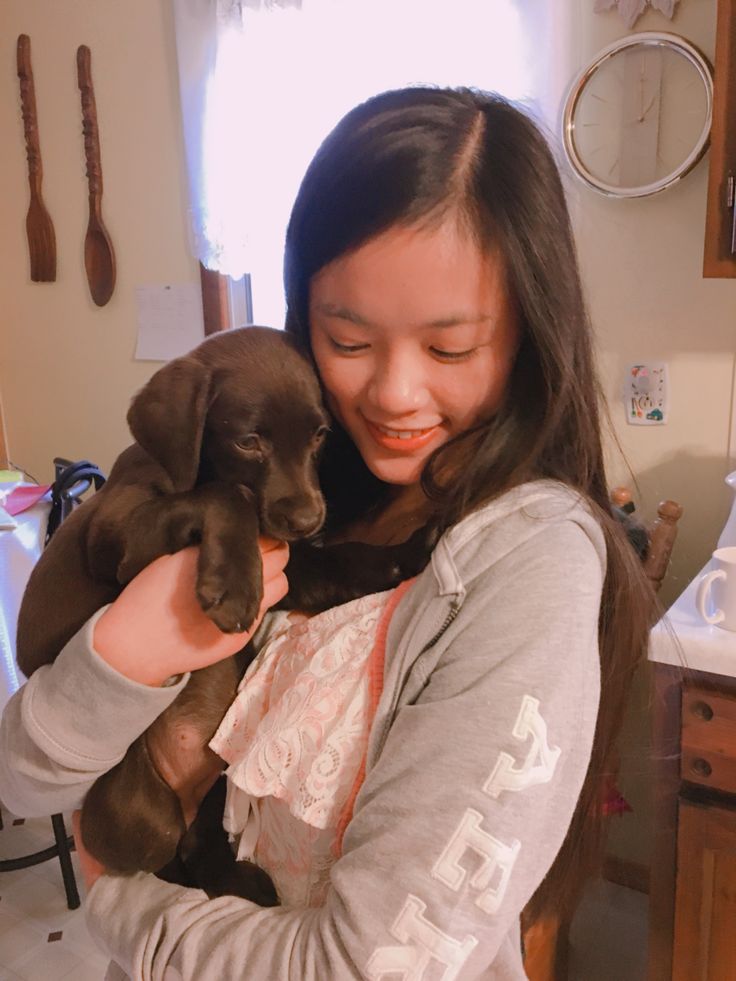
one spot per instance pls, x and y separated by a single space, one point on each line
74 719
457 822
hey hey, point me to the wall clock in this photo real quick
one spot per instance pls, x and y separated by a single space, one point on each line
637 119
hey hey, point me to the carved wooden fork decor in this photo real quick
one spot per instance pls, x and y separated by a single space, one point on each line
99 256
39 227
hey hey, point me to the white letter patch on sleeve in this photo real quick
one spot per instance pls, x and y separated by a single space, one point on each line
493 876
541 759
422 942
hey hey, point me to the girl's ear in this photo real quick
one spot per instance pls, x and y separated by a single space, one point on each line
167 418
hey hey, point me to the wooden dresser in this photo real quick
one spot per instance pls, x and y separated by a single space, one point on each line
693 871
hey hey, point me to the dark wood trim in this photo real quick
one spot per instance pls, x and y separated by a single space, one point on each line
214 301
622 872
717 258
4 453
667 699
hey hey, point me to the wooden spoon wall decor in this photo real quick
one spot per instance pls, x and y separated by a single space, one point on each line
99 256
39 227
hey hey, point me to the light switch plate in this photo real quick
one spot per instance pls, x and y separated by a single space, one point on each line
646 393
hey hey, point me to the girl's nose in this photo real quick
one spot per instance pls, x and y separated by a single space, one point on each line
399 385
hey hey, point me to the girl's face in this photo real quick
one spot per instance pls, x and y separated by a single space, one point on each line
414 335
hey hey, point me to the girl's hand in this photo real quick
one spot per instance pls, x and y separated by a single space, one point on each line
156 627
91 868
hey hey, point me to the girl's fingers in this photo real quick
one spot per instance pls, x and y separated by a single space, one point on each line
273 591
274 560
159 610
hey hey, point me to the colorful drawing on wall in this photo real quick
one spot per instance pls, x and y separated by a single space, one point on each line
631 10
646 394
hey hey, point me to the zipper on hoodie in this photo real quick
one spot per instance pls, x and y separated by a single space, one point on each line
452 613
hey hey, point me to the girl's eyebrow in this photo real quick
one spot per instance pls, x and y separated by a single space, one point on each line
342 313
454 320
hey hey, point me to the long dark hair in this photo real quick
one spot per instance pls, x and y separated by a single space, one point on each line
414 157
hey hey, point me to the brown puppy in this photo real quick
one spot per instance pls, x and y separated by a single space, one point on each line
226 444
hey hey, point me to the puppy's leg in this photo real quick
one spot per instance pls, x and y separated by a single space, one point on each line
230 571
134 816
131 819
223 521
209 860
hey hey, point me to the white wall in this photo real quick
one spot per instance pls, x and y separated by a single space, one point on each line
66 366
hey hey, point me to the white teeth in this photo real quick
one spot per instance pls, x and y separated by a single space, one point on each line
401 433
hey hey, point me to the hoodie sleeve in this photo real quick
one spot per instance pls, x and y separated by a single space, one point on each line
456 824
72 721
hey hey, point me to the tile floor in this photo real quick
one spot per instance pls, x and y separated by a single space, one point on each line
42 940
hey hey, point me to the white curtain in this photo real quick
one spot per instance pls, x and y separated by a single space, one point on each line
262 83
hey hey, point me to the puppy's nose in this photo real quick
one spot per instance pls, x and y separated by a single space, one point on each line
304 522
297 519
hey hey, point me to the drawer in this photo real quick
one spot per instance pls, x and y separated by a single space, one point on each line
708 739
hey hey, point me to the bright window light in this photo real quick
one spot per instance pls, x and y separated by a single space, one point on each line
285 76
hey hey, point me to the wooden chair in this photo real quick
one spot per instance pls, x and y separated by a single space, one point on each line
546 941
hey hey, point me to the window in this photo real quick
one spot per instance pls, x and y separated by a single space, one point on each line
284 75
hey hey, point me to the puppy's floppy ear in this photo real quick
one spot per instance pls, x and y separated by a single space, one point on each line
167 418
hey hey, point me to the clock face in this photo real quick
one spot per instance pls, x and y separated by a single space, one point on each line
639 118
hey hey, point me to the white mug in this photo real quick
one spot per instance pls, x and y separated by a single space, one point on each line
719 585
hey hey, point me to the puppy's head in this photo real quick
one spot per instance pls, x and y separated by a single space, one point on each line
245 408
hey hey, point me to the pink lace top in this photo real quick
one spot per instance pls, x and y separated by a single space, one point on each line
295 740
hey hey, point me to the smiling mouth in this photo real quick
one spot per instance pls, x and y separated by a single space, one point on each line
402 440
402 433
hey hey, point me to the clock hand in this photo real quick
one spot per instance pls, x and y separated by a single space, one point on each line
645 111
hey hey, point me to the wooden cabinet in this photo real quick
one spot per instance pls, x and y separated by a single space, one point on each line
705 905
719 256
693 872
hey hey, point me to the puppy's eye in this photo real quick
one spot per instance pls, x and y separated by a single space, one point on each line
320 434
250 445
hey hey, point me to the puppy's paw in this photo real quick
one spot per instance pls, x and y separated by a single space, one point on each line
246 880
232 606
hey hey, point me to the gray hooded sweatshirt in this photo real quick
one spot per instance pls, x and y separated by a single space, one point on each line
475 762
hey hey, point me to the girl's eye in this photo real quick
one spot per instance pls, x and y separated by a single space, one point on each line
347 348
453 355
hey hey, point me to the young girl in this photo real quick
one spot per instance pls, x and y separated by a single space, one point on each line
418 767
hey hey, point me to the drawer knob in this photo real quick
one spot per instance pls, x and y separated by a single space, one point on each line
702 710
701 767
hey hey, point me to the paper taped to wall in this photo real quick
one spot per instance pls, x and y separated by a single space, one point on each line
170 321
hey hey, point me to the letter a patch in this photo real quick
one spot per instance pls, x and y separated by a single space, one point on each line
541 759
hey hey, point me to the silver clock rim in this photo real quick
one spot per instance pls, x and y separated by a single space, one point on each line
645 38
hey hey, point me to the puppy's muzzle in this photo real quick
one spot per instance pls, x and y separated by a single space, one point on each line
292 518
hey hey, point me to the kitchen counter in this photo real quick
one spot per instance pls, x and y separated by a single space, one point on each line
683 639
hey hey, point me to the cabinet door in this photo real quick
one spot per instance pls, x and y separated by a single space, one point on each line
705 904
719 257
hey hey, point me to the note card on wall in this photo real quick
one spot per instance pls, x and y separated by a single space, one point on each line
170 321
